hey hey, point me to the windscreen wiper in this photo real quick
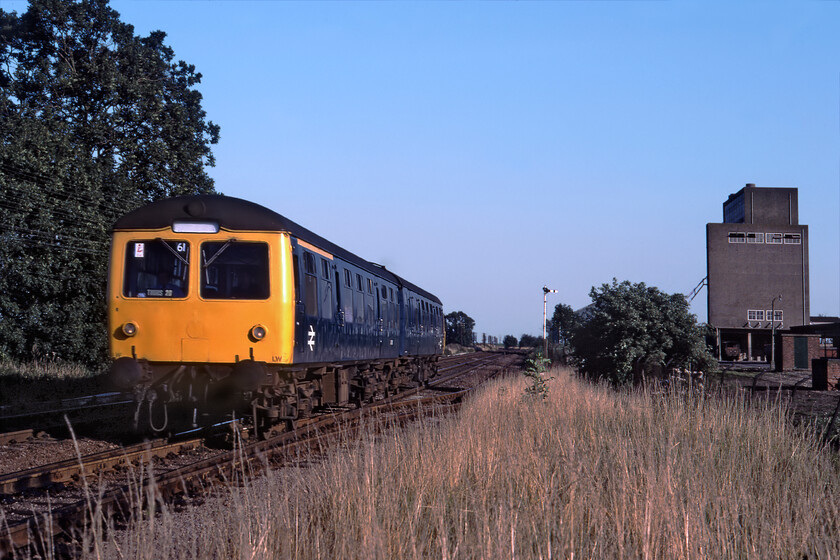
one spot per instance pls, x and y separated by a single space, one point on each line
218 253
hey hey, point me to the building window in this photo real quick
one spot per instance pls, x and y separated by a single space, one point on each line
793 239
778 312
756 315
755 237
773 238
737 237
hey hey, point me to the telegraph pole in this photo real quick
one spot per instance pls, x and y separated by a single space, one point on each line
546 291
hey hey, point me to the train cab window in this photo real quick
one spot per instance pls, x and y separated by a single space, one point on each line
157 268
234 270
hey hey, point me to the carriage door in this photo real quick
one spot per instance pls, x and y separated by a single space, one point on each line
300 318
414 314
382 318
341 317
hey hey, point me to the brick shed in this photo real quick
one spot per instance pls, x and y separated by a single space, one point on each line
796 351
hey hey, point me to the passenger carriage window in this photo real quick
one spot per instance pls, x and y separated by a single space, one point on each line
325 269
348 279
158 268
309 262
359 282
370 286
234 270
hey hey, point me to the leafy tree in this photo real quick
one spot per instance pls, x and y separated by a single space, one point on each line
509 341
528 340
94 121
634 325
562 324
459 328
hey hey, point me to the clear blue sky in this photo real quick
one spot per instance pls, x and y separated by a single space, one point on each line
482 150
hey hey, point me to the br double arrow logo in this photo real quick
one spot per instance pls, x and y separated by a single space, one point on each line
311 342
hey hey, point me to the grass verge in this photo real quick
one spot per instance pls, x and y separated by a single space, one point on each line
583 473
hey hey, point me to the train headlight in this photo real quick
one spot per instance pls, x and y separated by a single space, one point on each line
129 329
257 333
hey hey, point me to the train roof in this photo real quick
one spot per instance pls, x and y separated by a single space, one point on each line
237 214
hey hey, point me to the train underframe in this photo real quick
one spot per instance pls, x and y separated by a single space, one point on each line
172 397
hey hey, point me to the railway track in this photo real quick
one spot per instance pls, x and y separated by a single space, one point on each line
457 376
51 415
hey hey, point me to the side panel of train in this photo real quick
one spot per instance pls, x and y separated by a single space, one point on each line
346 313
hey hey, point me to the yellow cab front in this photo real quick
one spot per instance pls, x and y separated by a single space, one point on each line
214 297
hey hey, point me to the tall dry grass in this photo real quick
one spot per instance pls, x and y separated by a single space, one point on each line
585 473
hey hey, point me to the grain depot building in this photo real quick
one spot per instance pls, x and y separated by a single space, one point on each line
757 266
